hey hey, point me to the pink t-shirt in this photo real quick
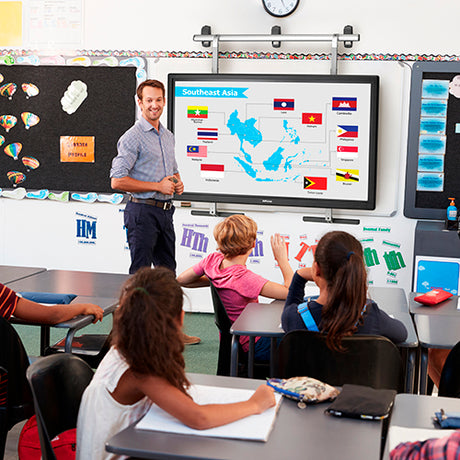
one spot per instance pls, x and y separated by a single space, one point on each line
237 286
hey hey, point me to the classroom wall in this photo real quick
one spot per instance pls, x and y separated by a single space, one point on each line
81 236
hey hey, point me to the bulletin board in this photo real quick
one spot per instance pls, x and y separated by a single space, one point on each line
62 139
433 152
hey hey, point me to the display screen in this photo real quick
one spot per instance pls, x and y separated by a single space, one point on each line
291 140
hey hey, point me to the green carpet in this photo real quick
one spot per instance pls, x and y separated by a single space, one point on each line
200 358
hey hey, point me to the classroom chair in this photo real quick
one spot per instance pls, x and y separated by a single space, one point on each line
57 383
367 360
223 323
449 384
16 402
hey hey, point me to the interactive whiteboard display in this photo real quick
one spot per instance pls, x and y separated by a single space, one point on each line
296 140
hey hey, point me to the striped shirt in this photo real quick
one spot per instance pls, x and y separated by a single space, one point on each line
147 155
8 301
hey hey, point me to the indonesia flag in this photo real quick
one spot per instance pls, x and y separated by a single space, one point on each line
345 104
197 151
347 131
212 171
283 104
209 134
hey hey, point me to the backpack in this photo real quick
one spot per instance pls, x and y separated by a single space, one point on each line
64 444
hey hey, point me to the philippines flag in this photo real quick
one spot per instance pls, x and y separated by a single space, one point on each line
283 104
197 151
345 104
212 171
347 131
315 183
312 118
210 134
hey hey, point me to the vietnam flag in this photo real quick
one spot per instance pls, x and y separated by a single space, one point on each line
315 183
195 111
312 118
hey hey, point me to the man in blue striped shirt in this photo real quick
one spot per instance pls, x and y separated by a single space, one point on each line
146 168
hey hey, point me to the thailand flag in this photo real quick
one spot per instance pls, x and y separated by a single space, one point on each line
210 134
283 104
345 104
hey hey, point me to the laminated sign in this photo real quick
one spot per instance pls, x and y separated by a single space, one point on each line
77 149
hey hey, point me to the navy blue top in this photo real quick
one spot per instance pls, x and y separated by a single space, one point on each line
376 321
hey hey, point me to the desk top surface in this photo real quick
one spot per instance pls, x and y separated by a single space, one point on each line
265 319
10 273
296 432
106 285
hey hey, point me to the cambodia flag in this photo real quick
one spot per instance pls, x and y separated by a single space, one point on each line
345 104
347 131
283 104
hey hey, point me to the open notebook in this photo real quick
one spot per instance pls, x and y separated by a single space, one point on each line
255 427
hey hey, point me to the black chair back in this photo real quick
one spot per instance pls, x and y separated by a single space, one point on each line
449 384
223 323
57 383
368 360
16 402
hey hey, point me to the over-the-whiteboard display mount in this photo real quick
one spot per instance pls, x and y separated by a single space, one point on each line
330 220
276 37
213 212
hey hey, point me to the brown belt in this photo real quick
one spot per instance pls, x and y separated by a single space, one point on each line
165 205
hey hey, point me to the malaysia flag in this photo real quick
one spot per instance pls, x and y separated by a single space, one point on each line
197 151
312 118
212 171
210 134
283 104
345 104
347 131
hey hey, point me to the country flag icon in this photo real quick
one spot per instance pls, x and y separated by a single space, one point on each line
208 134
349 131
347 175
197 111
315 183
312 118
197 151
283 104
345 104
347 151
212 171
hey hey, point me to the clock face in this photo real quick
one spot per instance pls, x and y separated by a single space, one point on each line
280 8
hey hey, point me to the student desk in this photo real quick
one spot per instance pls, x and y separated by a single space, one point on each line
417 411
437 327
259 319
106 285
9 273
74 324
297 434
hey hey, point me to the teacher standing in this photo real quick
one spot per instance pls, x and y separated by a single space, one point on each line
146 168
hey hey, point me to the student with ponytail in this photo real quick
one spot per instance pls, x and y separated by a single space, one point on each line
145 366
342 307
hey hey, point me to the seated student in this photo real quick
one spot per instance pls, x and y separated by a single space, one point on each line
145 366
445 448
27 310
342 307
237 285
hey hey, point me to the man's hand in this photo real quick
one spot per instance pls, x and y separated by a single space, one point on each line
166 186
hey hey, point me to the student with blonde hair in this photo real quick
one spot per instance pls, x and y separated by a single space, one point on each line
237 285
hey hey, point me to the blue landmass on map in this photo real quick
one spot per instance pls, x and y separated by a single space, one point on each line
275 161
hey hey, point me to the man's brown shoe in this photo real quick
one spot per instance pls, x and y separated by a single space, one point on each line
190 339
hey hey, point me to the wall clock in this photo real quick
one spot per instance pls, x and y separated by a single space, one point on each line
280 8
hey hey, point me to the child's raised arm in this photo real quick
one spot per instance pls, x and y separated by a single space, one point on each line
202 417
190 279
280 253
